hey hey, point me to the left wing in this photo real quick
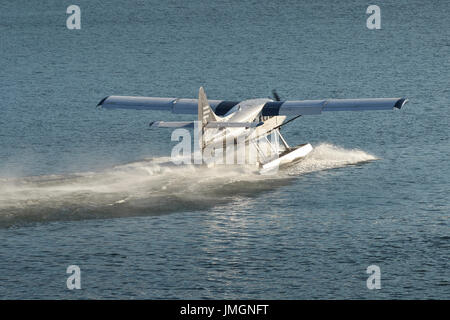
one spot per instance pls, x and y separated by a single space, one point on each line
175 105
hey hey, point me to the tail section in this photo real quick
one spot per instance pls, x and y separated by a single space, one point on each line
205 113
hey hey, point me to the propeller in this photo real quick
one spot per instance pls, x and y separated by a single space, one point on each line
275 95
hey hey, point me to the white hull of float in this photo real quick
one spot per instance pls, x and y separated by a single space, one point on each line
289 156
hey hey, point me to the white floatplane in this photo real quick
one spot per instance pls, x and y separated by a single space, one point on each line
249 123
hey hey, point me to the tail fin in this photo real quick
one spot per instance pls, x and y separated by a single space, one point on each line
205 113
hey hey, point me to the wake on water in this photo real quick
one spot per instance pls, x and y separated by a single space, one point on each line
149 187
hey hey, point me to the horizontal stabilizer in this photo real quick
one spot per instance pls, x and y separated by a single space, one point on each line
225 124
211 124
171 124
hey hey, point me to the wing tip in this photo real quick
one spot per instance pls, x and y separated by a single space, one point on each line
400 103
153 124
101 101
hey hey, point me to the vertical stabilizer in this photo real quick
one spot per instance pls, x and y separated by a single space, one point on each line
205 114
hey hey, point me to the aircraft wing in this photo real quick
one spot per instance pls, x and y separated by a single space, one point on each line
311 107
175 105
273 108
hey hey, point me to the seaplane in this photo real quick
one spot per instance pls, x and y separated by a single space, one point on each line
250 128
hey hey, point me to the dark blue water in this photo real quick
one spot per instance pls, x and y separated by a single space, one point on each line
82 186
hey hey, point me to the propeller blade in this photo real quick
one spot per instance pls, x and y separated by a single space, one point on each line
275 95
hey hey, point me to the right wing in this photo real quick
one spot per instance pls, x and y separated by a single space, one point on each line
311 107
